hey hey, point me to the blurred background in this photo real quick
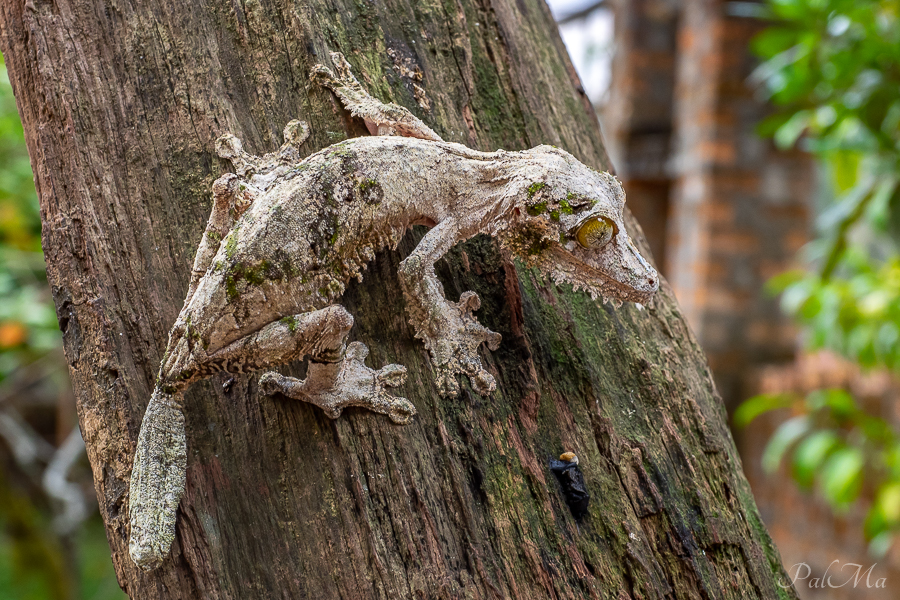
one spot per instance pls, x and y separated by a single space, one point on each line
759 146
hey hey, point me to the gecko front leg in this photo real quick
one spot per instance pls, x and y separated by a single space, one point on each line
449 329
380 118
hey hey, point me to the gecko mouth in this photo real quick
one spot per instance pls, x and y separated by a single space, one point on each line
620 273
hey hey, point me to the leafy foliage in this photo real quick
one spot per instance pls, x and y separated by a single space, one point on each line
835 67
857 315
837 449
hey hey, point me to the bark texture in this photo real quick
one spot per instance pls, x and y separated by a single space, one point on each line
122 102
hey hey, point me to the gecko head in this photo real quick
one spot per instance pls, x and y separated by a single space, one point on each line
571 226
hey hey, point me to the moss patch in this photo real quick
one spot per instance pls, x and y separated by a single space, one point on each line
254 274
529 240
231 243
370 191
536 187
291 323
537 209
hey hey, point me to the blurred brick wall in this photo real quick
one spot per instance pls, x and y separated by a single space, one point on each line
638 114
723 210
739 209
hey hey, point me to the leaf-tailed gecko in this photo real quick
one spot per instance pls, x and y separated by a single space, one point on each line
285 235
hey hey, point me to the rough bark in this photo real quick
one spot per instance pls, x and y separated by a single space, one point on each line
121 103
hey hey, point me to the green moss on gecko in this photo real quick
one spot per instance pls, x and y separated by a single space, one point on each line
367 184
537 209
257 274
231 243
536 187
291 323
334 236
253 274
529 241
231 290
340 150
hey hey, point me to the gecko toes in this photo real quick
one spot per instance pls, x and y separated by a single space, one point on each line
322 75
392 375
228 146
483 382
402 411
493 340
447 384
271 383
469 301
357 351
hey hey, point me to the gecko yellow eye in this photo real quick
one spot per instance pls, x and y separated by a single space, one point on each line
595 232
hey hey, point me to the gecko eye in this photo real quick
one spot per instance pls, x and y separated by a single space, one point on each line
595 232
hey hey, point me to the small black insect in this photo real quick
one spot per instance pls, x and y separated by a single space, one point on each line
226 387
572 481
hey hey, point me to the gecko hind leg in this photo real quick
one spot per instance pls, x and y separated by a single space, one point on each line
337 376
380 118
333 386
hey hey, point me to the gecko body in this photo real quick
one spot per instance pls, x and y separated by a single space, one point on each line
285 236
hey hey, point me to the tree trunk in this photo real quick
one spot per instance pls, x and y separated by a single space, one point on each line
122 102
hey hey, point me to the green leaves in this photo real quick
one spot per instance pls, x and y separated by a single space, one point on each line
810 454
833 65
857 314
838 450
784 437
20 223
841 476
758 405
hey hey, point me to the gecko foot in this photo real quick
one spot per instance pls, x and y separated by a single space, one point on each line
454 347
348 382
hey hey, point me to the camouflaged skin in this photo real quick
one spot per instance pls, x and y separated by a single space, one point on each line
286 235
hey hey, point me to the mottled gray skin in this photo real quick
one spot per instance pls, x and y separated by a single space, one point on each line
285 236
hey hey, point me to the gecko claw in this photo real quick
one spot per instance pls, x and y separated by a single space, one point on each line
483 382
272 383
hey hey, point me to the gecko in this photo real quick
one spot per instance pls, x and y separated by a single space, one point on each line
286 235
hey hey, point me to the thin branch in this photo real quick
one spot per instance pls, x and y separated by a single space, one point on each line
28 448
57 485
581 13
869 191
